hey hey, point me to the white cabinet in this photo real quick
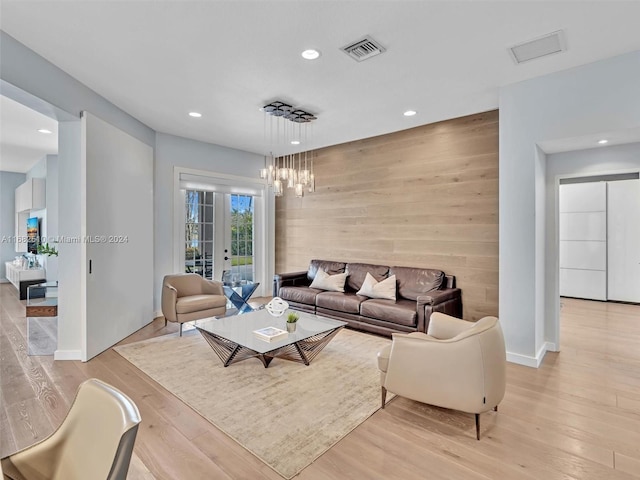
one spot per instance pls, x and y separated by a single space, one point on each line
22 277
31 195
600 240
583 240
624 240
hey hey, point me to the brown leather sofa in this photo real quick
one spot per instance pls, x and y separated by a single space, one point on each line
420 292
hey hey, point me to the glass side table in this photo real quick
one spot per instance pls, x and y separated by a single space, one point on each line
239 297
42 318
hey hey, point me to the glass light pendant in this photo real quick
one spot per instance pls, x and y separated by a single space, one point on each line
277 188
299 190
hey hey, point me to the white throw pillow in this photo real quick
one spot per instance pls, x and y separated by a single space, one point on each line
386 289
332 283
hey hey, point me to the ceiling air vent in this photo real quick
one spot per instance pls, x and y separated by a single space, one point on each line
539 47
363 49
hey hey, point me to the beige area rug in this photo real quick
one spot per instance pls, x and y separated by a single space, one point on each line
288 414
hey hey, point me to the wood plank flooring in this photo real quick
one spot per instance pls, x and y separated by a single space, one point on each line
577 417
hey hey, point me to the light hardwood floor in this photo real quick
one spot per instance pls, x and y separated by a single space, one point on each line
577 417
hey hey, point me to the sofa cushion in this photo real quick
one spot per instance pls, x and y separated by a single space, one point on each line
358 271
347 302
402 312
330 267
413 282
385 289
331 283
197 303
299 294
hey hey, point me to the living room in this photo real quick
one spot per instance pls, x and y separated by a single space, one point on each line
466 185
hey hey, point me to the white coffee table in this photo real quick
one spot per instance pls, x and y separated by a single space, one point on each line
233 340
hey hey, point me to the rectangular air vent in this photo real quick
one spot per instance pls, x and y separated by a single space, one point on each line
363 49
539 47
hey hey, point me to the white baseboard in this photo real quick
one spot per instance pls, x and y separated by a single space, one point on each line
529 361
157 313
67 355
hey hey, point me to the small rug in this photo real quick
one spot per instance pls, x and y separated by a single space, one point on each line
288 414
42 335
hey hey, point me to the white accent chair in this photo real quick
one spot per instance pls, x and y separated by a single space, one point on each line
458 364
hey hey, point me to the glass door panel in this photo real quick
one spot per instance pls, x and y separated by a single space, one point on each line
199 232
240 238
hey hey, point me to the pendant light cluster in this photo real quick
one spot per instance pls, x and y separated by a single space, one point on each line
293 171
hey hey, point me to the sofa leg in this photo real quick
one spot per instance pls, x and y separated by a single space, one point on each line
495 409
384 396
165 322
478 426
180 329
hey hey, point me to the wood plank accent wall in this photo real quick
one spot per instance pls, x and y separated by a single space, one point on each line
424 197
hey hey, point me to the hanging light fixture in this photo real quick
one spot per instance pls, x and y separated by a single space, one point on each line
293 171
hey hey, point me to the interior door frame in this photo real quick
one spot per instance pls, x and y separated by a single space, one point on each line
264 223
555 305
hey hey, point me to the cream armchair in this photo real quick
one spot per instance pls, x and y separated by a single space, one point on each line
95 440
458 364
188 296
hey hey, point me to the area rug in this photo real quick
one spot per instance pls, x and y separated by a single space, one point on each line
288 414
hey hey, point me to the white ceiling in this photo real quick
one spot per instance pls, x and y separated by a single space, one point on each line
158 60
21 145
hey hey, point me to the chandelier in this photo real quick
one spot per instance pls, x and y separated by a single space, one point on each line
295 170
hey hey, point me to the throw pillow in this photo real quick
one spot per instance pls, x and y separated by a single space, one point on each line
386 289
331 283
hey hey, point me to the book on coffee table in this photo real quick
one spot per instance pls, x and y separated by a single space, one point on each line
270 334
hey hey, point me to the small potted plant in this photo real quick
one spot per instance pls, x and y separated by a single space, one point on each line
292 320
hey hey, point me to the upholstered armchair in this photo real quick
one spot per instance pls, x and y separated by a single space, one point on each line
95 440
188 296
458 365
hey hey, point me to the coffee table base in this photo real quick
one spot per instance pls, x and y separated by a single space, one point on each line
302 351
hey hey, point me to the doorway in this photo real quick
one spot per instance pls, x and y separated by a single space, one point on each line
570 166
223 222
221 228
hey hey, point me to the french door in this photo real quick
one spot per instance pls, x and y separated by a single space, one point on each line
220 235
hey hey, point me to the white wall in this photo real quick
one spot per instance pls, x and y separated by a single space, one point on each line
32 80
9 181
52 213
593 98
580 163
174 151
29 78
70 273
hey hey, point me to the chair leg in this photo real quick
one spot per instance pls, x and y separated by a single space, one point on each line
384 396
180 329
478 426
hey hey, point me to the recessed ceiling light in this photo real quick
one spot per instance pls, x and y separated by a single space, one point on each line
603 141
409 113
295 142
195 114
310 54
44 130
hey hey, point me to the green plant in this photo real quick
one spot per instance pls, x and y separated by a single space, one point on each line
47 250
292 317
